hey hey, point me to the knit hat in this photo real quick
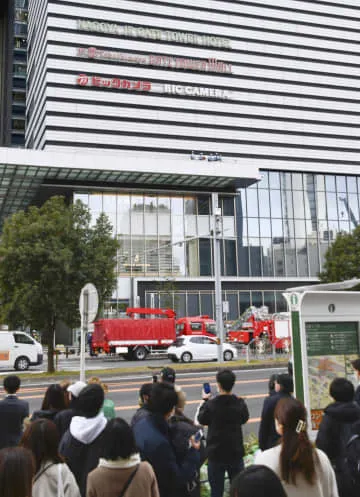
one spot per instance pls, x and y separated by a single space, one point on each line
90 400
168 375
76 388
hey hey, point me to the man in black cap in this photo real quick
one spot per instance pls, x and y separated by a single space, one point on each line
83 443
168 375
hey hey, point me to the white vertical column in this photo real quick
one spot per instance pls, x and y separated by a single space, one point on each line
216 232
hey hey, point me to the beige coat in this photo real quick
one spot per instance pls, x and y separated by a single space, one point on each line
109 478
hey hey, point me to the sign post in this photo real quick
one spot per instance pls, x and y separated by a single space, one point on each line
88 306
325 339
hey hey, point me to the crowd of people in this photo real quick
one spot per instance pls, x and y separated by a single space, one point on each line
75 446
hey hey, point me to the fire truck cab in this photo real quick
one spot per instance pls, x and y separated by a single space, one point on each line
196 325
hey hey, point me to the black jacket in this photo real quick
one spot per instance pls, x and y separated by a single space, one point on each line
45 414
82 457
357 395
141 413
12 414
152 437
224 415
268 437
63 420
336 428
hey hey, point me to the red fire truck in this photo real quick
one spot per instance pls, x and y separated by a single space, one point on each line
258 328
145 331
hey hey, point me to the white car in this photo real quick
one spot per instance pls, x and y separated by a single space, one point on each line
199 348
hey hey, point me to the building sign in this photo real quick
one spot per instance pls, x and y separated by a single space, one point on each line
120 84
154 34
208 65
197 91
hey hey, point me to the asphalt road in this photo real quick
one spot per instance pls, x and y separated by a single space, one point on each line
250 384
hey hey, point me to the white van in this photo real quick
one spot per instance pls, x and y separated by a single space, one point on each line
19 350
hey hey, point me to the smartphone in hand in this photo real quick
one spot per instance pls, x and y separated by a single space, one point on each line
207 388
198 436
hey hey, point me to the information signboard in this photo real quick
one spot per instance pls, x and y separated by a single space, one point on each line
331 338
330 346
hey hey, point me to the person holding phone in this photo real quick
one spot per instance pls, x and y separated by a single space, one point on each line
224 416
153 438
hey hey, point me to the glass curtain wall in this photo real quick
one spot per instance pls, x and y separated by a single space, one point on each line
279 227
163 235
287 221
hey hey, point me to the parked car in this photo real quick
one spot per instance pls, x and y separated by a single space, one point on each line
19 350
199 348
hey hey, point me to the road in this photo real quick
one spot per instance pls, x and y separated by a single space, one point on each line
250 384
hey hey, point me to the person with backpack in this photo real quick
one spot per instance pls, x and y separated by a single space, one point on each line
352 461
335 429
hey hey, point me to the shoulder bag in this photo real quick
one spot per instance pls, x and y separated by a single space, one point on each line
127 484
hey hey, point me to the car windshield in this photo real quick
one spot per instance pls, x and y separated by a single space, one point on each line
179 342
211 328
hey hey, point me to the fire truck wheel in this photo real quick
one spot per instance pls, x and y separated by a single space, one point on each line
186 357
140 353
228 355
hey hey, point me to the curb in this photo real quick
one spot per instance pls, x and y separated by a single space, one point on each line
148 371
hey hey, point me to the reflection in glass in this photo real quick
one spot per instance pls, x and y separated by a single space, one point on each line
193 304
256 299
227 205
302 257
331 202
252 203
275 203
233 313
290 259
351 184
353 205
267 259
180 305
265 228
203 203
192 257
264 203
341 184
230 257
330 183
269 301
190 205
274 180
244 301
207 305
205 256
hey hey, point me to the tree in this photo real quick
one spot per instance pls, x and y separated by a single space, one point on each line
342 260
47 255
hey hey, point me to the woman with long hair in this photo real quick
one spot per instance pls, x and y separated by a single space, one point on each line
53 478
17 469
303 470
53 402
120 469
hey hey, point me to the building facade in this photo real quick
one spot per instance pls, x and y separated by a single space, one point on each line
13 42
267 85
